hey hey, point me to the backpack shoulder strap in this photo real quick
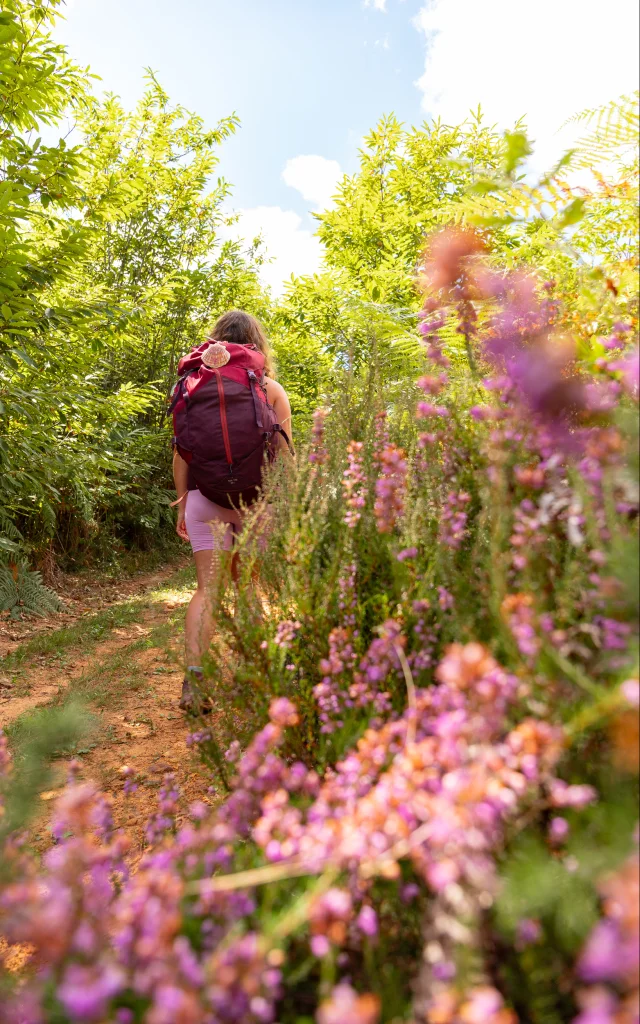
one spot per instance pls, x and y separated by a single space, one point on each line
257 404
178 390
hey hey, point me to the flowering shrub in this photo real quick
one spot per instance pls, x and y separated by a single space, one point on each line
437 823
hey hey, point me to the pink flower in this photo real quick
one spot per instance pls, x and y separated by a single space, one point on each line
282 712
367 921
577 797
558 831
630 690
85 992
390 488
528 933
353 484
345 1006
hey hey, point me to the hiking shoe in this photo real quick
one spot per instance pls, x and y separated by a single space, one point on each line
191 702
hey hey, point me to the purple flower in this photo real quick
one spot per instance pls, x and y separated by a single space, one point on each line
85 992
282 712
528 932
367 921
598 1007
600 960
345 1006
577 797
406 553
558 831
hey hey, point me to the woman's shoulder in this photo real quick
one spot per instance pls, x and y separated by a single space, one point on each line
274 389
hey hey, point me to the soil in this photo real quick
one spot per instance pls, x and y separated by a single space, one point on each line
131 682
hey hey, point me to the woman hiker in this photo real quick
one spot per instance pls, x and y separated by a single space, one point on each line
230 417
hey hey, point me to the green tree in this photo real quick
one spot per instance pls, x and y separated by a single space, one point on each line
111 268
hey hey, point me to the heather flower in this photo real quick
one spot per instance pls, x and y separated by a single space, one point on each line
558 831
630 690
445 599
449 257
486 1006
244 987
528 933
612 951
482 413
367 921
407 553
453 519
128 775
598 1006
194 739
85 992
629 367
345 1006
164 820
232 754
577 797
390 488
518 611
319 454
282 712
286 633
330 915
432 385
425 410
332 693
353 484
600 960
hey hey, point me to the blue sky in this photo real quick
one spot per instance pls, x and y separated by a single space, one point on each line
309 78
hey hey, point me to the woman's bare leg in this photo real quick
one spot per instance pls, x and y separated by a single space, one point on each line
199 621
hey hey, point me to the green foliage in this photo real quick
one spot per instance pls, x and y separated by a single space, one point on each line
37 741
111 268
22 592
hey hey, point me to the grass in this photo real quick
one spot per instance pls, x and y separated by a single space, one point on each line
88 631
107 679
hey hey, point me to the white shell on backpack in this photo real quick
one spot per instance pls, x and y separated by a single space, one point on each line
216 355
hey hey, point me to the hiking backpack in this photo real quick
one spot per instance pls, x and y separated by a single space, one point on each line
224 427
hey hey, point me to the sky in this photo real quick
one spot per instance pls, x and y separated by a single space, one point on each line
310 78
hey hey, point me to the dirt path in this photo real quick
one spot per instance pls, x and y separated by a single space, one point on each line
123 662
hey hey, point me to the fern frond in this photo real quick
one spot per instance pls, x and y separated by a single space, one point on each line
22 592
615 132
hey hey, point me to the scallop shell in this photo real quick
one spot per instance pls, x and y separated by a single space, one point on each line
216 355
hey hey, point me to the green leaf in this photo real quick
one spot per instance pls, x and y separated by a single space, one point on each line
572 213
518 149
483 187
23 356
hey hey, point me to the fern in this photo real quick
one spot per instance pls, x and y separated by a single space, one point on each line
10 535
614 132
22 592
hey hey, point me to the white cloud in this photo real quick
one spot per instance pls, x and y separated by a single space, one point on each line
546 60
314 177
290 247
378 5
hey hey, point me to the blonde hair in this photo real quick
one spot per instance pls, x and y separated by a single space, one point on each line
240 328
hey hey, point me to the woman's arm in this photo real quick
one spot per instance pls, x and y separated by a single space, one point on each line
278 399
180 476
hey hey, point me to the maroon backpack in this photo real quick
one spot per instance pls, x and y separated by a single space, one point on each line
223 424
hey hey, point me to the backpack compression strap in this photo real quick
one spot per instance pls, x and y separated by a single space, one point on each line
259 408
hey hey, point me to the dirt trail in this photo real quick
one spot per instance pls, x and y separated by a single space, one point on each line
124 663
